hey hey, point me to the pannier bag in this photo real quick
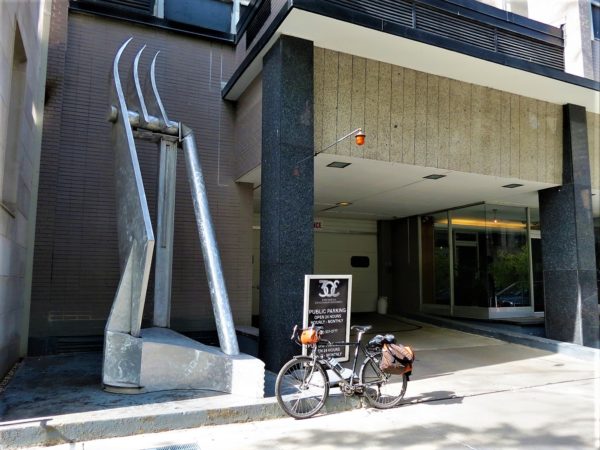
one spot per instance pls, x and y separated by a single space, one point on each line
396 359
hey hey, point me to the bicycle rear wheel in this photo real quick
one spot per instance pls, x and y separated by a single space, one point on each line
301 387
381 390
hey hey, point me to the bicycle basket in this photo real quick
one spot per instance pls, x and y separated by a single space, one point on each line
309 336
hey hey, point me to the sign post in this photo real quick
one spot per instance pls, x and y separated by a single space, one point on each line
327 303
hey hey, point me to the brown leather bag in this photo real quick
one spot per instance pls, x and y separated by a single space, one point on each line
396 359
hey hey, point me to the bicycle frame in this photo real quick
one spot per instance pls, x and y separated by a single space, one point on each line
359 346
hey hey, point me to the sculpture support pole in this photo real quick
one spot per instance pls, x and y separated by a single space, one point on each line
164 232
212 260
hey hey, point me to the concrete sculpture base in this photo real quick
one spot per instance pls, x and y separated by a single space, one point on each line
170 360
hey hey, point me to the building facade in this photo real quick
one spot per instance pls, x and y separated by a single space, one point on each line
24 45
476 193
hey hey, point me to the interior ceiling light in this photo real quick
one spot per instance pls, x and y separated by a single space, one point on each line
512 185
343 204
434 176
338 164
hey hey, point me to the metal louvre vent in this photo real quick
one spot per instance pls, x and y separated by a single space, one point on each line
394 11
77 344
478 30
144 6
530 50
263 13
455 27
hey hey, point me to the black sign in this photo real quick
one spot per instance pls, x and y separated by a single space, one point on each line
327 304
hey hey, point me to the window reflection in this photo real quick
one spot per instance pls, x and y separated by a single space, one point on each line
508 256
470 259
489 252
435 256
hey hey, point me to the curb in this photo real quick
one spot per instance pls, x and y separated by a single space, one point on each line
71 428
564 348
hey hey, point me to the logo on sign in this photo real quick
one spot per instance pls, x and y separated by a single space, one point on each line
329 288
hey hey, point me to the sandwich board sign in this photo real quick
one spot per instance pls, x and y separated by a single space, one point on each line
327 303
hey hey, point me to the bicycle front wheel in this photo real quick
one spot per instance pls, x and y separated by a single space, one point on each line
381 390
301 387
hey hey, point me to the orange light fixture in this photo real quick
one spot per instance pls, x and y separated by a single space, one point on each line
360 137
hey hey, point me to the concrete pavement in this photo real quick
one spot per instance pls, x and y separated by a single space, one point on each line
468 385
545 417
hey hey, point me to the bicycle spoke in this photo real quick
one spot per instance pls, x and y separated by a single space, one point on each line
301 388
381 390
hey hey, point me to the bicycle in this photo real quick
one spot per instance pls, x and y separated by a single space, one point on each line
303 383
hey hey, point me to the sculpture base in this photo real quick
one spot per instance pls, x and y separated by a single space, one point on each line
170 360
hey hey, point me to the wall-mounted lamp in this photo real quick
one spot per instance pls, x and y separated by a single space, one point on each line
359 137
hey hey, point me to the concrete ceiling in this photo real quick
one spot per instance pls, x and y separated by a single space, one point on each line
383 190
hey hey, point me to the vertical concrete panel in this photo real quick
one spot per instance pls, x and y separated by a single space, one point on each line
528 122
558 146
421 119
515 133
460 126
505 134
541 141
396 113
344 112
495 152
359 73
479 125
384 112
593 121
431 159
551 136
408 118
330 98
319 63
371 109
443 122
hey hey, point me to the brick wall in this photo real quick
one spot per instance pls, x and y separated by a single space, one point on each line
76 269
248 128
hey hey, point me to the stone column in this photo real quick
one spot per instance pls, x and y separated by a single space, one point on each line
569 264
287 186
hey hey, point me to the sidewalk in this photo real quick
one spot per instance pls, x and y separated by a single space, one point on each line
58 399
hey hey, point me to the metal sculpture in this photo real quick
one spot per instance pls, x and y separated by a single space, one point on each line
135 359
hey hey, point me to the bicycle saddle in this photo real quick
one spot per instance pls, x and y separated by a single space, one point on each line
361 328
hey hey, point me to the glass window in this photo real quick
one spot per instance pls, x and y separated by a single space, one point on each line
469 252
489 250
507 256
435 257
596 19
